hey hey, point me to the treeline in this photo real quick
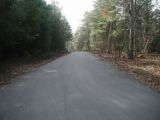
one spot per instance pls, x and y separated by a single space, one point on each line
31 27
129 27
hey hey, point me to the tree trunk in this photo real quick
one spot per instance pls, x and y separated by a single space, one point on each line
131 34
109 41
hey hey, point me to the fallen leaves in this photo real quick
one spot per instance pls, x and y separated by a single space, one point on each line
146 69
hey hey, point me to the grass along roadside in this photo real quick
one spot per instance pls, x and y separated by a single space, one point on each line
146 70
11 68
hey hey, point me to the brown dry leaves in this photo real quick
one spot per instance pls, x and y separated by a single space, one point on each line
145 70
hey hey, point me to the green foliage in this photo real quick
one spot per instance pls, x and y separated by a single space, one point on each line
113 28
31 27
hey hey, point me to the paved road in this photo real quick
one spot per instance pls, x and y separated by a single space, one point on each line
78 87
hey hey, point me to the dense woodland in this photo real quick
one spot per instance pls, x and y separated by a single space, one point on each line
125 28
31 28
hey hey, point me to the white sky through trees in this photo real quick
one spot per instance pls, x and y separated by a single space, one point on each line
74 10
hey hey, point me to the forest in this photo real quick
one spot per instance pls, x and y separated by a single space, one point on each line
31 28
131 27
31 33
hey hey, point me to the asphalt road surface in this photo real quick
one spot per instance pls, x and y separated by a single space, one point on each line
78 86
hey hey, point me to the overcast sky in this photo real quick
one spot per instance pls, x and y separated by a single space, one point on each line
74 10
